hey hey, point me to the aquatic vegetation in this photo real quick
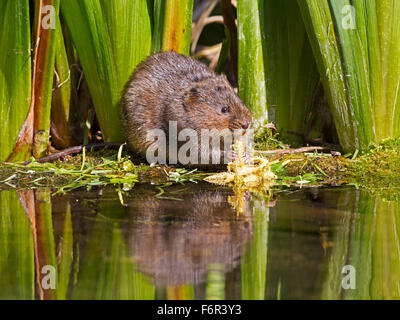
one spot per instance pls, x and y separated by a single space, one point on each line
253 173
277 71
267 138
378 169
311 168
90 169
66 176
257 173
106 167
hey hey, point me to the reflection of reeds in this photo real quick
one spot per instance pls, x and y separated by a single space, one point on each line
177 244
105 269
16 250
44 242
375 250
340 246
369 241
31 234
254 261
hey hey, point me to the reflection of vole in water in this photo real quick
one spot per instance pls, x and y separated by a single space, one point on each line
171 87
177 242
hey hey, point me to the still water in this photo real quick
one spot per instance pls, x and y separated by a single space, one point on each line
197 241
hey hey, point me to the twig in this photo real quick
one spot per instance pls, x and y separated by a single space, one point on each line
75 150
290 151
198 27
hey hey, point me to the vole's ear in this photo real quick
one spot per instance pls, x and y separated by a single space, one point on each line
191 97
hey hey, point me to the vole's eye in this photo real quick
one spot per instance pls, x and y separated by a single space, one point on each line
225 109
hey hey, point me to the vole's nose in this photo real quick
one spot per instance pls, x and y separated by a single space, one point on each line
245 125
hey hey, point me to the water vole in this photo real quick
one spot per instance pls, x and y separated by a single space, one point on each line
169 87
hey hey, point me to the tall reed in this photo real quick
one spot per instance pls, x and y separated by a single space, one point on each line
251 62
172 25
15 73
357 50
290 69
276 66
111 37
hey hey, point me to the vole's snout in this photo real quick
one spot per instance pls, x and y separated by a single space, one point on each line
245 125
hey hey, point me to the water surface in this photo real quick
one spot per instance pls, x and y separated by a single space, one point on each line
197 241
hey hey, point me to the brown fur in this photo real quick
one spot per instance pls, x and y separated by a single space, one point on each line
172 87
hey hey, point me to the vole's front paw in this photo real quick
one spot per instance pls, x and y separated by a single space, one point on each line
232 155
246 195
246 157
229 156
